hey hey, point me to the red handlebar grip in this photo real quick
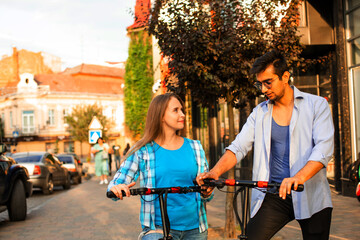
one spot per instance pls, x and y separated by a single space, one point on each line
230 182
262 184
175 189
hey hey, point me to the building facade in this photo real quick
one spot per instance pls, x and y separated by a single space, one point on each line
33 110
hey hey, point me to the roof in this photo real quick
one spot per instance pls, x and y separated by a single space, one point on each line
96 70
142 12
80 84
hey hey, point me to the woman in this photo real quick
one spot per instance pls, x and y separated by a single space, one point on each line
162 151
101 150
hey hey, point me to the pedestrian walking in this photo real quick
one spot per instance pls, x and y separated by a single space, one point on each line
292 134
101 150
126 149
116 151
110 152
177 161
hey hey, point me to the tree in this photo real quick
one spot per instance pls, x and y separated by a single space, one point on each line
138 81
80 119
211 45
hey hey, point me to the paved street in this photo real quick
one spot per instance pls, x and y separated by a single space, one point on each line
83 212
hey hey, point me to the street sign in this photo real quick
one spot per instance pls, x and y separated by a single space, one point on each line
94 135
95 123
15 134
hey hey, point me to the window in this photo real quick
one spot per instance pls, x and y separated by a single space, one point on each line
3 120
355 53
356 81
28 122
69 147
354 22
302 14
11 119
51 117
353 38
65 114
353 3
113 114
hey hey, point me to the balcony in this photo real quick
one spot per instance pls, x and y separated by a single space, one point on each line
28 131
12 91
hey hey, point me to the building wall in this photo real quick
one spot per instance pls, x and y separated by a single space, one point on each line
54 136
24 61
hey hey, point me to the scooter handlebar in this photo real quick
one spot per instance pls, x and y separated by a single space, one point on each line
147 191
245 183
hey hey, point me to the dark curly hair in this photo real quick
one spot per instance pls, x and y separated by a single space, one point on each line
274 58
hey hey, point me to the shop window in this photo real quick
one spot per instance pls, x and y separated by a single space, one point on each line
355 53
356 79
69 147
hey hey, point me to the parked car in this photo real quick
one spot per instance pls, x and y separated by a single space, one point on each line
45 170
15 187
72 166
78 161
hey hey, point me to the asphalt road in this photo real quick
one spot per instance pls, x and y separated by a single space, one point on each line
37 200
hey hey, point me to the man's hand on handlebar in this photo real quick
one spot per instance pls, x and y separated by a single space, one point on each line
286 185
200 181
122 187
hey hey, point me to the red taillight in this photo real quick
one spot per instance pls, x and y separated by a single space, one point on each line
37 170
71 169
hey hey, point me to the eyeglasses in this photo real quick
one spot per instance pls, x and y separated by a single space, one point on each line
267 83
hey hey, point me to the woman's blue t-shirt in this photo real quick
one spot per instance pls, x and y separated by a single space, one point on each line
177 168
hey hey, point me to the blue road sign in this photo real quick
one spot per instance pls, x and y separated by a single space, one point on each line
94 135
15 134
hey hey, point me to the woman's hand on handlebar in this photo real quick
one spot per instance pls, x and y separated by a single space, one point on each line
122 187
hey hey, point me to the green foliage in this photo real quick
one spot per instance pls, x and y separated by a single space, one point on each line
138 81
211 45
80 119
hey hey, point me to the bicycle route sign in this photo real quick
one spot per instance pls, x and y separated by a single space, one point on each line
95 130
94 135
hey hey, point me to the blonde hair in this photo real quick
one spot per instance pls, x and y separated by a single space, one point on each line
153 126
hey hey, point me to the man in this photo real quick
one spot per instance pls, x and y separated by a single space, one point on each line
292 135
116 151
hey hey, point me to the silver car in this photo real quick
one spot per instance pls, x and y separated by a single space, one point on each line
45 170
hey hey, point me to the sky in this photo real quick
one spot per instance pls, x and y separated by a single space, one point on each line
77 31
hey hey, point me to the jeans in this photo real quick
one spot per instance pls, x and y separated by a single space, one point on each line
192 234
275 213
117 162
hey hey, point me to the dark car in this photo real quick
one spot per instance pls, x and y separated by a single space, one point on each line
72 166
45 170
15 187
